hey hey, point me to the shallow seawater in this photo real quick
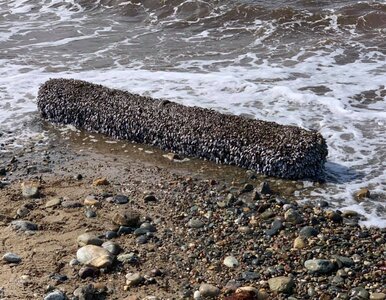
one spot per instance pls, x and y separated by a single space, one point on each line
316 64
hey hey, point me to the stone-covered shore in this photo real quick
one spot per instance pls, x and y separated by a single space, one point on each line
96 225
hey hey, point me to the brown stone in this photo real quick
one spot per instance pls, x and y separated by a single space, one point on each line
101 181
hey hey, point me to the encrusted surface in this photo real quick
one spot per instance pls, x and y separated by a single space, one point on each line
266 147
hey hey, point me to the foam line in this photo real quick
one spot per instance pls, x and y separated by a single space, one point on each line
266 147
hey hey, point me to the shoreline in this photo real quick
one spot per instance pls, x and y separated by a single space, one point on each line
202 213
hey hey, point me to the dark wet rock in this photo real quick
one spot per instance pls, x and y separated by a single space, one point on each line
333 216
265 147
141 231
319 266
113 248
88 272
343 261
3 171
143 239
276 226
124 230
281 284
110 235
246 188
59 278
265 188
308 231
322 204
149 227
120 199
21 225
127 218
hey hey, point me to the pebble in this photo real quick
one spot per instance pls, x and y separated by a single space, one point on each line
197 295
88 239
281 284
20 225
127 218
91 201
89 213
343 261
141 231
267 214
308 231
293 216
333 216
53 202
120 199
55 295
94 256
100 181
128 258
377 296
231 261
195 223
30 189
300 243
360 293
110 234
247 188
149 227
133 279
113 248
87 271
71 204
11 258
244 229
143 239
321 266
265 188
208 290
276 226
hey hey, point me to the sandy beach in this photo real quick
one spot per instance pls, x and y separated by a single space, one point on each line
175 229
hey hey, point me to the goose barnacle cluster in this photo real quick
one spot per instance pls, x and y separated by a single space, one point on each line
266 147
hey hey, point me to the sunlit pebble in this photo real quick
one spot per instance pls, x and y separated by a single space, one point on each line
266 147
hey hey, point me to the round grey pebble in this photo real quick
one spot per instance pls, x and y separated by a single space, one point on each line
55 295
11 258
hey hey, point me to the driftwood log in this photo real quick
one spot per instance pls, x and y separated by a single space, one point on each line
266 147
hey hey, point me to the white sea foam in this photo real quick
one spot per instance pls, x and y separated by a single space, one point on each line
308 88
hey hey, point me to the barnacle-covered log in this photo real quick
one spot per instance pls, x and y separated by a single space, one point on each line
266 147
